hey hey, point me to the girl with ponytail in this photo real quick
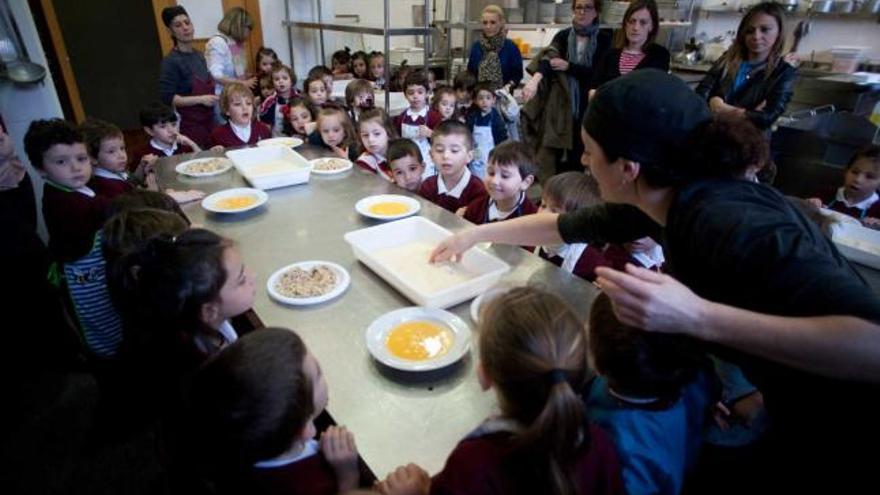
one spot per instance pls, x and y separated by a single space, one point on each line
533 353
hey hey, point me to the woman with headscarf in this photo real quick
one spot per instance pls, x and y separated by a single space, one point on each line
494 58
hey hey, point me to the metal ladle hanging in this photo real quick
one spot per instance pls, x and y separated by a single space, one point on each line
19 69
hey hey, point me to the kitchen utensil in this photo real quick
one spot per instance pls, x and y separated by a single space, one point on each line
21 70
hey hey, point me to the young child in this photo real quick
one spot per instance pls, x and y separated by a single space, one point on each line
265 59
72 210
418 120
562 193
858 197
284 82
405 160
335 132
106 146
463 84
377 69
325 74
250 421
267 90
237 103
341 62
487 126
454 186
360 65
444 102
316 91
533 353
375 131
299 118
652 396
511 171
398 79
160 123
358 98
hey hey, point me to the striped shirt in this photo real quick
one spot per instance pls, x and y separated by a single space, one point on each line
629 61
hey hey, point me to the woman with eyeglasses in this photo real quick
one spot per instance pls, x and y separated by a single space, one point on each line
494 58
561 77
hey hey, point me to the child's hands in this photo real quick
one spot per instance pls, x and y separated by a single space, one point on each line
405 480
251 82
425 131
208 100
871 223
338 447
310 127
340 152
217 148
815 202
744 411
185 196
186 141
460 212
151 182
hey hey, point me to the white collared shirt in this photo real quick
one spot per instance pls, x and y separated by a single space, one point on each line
862 205
496 214
309 449
570 254
102 172
86 190
225 329
421 113
456 191
167 150
243 133
652 258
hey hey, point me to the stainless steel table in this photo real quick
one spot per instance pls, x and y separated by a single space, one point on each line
396 417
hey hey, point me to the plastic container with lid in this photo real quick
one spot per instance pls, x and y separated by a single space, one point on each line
845 59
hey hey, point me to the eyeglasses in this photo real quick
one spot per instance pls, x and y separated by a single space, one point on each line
584 8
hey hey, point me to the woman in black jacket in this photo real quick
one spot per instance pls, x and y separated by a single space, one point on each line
753 79
634 46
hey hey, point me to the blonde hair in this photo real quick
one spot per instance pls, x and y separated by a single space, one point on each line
230 91
235 22
494 9
739 52
351 137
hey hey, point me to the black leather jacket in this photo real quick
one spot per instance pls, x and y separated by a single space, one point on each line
775 90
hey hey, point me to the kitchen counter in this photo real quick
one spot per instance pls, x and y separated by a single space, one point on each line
396 417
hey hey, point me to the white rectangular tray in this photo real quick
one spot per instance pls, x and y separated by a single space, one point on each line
247 162
858 244
366 242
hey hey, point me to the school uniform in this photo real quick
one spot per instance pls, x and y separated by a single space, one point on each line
579 259
315 139
72 219
110 184
375 164
468 190
308 472
485 210
619 257
231 135
484 462
407 125
869 207
154 147
270 111
489 130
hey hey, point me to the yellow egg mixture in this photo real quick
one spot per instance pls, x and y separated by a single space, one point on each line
235 202
389 208
419 340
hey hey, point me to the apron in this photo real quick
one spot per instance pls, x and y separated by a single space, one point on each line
484 142
411 132
197 121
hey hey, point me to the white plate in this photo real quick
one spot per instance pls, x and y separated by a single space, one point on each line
346 168
291 142
363 206
210 203
181 167
377 334
485 297
343 279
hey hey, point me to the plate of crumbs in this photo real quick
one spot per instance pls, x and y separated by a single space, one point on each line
330 166
308 282
236 200
387 206
418 338
291 142
203 167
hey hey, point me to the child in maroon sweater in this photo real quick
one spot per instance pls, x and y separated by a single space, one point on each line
237 103
160 123
533 352
250 414
453 187
510 172
106 146
858 197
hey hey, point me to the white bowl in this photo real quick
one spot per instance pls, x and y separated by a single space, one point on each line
363 206
210 202
182 167
288 141
377 334
485 297
346 168
343 279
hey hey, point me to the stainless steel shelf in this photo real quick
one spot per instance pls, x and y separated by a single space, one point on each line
360 29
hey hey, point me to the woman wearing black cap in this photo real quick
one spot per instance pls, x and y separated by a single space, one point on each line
754 277
184 80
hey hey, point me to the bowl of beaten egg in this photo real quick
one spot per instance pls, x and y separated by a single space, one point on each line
418 339
235 200
387 206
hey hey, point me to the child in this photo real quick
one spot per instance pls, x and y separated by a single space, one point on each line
359 65
325 74
335 133
284 82
160 123
463 84
375 130
486 124
418 120
651 396
511 171
250 421
377 69
858 196
533 353
265 59
267 90
237 103
398 79
106 146
405 160
562 193
341 62
72 211
316 91
454 186
358 98
299 118
444 102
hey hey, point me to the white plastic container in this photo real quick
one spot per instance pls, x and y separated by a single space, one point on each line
368 244
845 59
858 244
270 167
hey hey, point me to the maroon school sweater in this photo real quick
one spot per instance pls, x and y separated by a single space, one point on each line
148 148
478 210
432 120
110 188
224 136
72 219
472 192
586 265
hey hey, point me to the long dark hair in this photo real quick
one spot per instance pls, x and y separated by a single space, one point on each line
620 40
739 52
534 349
